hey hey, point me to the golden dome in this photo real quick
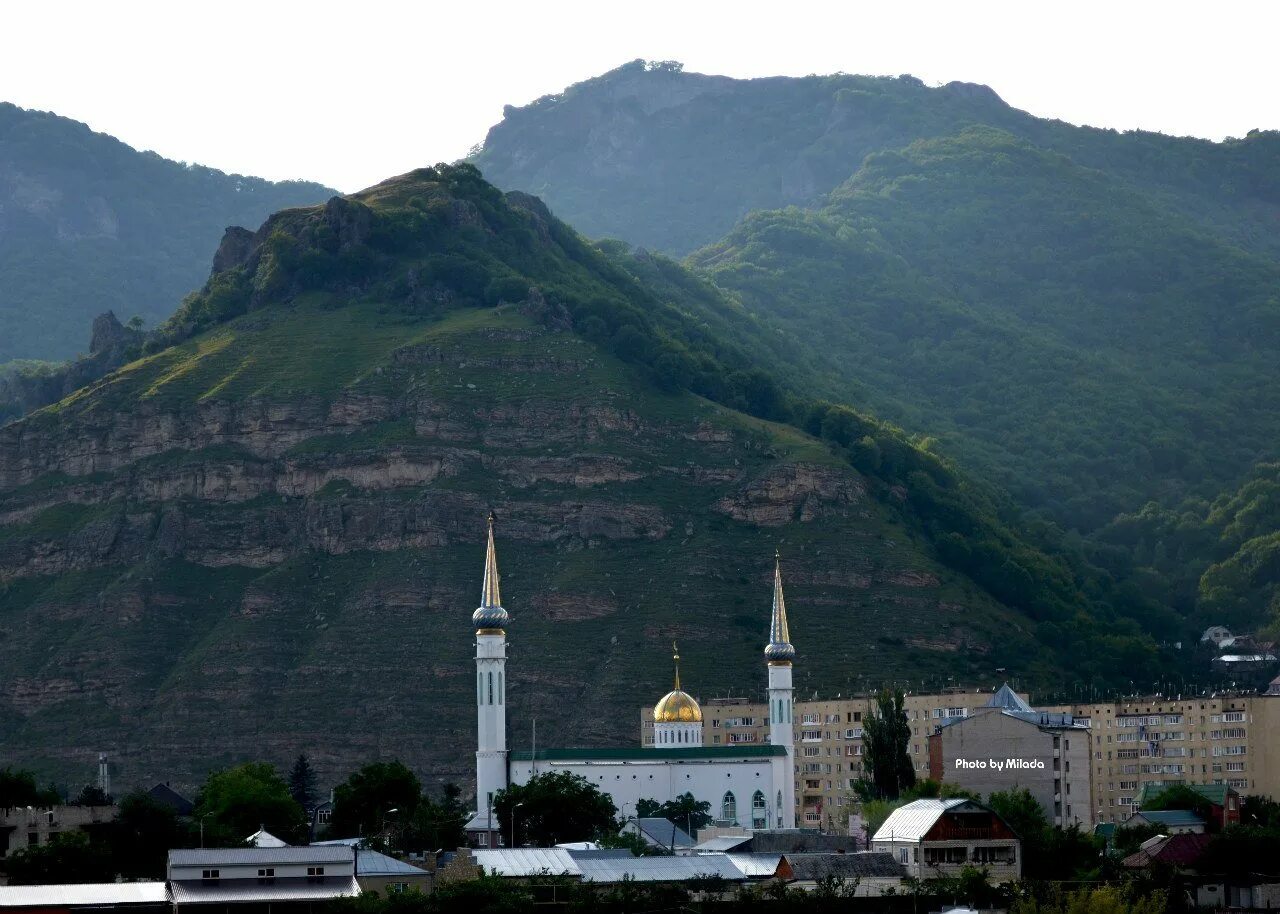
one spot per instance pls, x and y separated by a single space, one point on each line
677 707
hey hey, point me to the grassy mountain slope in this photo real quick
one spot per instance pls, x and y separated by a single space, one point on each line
671 160
1053 325
88 224
267 530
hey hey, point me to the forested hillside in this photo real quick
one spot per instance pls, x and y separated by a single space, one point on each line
255 528
88 225
1086 318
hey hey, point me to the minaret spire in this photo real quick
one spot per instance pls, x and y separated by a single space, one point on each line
675 655
490 596
779 649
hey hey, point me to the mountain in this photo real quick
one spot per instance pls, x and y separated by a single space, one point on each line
672 160
264 535
89 225
1088 319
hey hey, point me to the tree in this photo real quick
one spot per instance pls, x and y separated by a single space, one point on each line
302 782
1180 796
18 788
67 857
437 825
363 804
236 802
887 734
684 811
553 808
142 835
91 795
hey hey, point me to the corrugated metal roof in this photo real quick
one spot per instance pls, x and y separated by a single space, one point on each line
250 856
1173 817
89 893
371 863
645 754
528 861
1007 698
755 865
1214 793
912 821
722 843
660 869
662 831
816 867
248 890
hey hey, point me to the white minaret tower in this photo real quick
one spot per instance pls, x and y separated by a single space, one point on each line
779 653
490 621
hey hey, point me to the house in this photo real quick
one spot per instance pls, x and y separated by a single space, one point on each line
167 796
1224 801
781 841
31 826
131 897
386 875
1007 744
290 880
934 838
1169 821
1181 852
264 838
658 832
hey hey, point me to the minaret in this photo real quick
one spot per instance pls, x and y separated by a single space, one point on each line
779 653
490 621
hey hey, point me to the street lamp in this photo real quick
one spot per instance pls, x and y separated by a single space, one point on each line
513 823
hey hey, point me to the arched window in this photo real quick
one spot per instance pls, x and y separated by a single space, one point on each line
499 687
490 687
759 811
480 688
729 807
779 801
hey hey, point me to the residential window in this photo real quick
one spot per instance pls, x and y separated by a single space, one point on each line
397 888
315 873
209 874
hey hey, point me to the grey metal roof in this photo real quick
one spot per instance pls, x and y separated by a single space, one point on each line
662 831
1179 818
527 861
815 867
755 865
913 821
82 895
251 856
1008 699
660 869
799 841
371 863
722 843
246 890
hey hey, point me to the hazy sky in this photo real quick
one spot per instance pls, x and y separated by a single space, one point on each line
349 93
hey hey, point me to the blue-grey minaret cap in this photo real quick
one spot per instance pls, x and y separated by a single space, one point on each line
490 614
779 649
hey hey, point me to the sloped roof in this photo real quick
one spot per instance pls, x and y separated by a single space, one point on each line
527 861
662 831
1008 699
252 856
659 869
722 843
1174 850
264 838
913 821
1214 793
372 863
814 867
1172 818
755 865
799 841
163 793
82 894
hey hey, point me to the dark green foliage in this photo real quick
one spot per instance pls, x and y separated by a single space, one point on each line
115 229
484 895
1243 851
363 804
18 788
302 782
1048 853
885 741
91 795
437 824
67 857
553 808
684 811
1180 796
143 833
235 802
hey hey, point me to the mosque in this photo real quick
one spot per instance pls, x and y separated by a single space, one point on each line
750 785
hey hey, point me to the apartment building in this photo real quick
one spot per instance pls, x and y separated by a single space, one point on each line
828 742
1226 739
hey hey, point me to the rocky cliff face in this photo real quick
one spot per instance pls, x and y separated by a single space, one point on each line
197 582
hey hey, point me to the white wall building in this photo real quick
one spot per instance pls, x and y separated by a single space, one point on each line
748 786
